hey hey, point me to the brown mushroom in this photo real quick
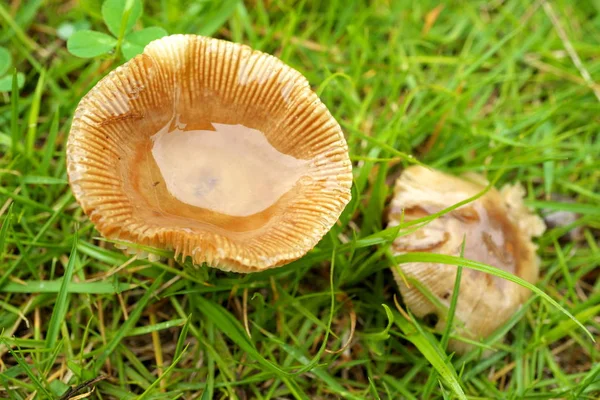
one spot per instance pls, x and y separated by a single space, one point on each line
497 229
211 149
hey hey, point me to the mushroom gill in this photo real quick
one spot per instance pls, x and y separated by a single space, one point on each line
497 230
211 149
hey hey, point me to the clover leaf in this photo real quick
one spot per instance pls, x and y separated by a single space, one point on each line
88 44
136 41
113 12
120 17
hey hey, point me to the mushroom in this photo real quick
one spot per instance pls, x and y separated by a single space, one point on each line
497 229
211 149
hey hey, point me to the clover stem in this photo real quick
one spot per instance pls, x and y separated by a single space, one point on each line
124 19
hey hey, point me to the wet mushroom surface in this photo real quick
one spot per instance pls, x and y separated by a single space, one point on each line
496 228
211 149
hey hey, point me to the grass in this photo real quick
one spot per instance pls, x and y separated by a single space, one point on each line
502 88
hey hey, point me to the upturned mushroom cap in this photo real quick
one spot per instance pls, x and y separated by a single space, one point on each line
211 149
497 229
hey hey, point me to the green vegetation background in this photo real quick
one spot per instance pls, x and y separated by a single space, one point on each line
504 88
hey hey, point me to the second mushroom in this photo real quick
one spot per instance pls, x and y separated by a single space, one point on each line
496 228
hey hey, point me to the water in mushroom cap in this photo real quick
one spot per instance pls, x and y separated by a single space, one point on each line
232 170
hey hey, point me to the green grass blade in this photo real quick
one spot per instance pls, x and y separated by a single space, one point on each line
214 18
4 230
72 287
579 208
25 201
587 381
182 336
14 106
43 180
34 112
430 349
234 330
163 375
27 369
61 204
449 320
50 145
451 260
453 301
144 330
384 334
127 326
62 299
15 26
321 373
566 326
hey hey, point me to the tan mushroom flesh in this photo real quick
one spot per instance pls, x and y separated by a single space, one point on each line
497 229
211 149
